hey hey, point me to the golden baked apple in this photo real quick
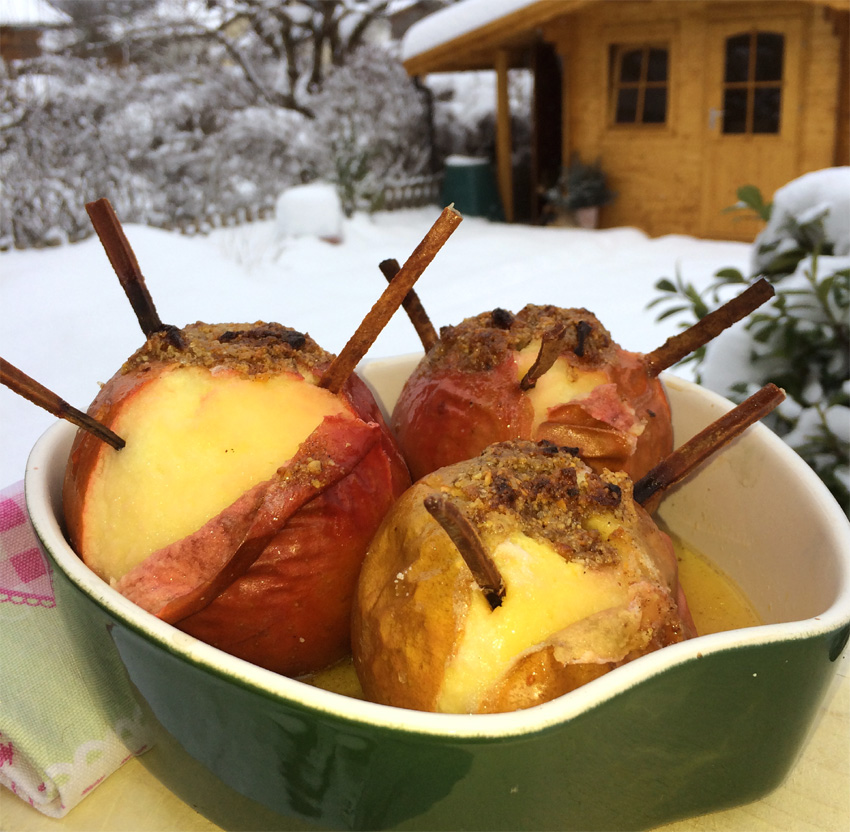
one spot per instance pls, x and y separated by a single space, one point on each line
584 582
243 502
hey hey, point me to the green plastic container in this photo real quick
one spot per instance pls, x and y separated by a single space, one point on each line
470 184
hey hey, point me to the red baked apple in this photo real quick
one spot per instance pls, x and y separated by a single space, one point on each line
246 495
468 392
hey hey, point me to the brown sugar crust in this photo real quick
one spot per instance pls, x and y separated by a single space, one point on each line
258 349
543 489
482 342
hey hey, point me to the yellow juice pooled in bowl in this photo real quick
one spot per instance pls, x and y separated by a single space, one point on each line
716 602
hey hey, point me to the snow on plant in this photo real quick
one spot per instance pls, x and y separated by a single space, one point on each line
186 137
464 105
801 339
370 128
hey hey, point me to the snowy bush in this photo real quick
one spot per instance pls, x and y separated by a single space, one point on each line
370 128
801 339
465 111
180 141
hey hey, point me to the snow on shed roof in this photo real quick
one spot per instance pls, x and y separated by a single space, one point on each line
465 35
30 13
454 21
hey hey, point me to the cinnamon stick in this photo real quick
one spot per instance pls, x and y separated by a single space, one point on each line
124 263
679 464
551 345
38 394
413 306
376 319
471 549
710 326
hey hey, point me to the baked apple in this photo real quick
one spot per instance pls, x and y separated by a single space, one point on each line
547 373
467 393
245 497
587 583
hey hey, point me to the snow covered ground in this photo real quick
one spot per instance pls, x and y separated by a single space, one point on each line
67 323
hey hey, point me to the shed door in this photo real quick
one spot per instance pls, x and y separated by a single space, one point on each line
752 117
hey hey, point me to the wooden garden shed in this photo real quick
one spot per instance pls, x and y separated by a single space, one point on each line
682 101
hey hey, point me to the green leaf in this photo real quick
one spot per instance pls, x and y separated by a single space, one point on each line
673 311
666 285
730 275
751 196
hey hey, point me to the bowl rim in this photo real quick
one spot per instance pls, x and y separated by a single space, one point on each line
41 489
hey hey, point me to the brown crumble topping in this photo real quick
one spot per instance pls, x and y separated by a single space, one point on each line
545 490
256 349
482 342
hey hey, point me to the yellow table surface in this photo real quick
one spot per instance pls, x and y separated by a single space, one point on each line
815 797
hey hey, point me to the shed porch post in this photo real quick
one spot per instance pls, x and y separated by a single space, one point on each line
504 164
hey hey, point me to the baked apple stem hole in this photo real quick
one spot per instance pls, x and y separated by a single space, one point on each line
22 384
471 548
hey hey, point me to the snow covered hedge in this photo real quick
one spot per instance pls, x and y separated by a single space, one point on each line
801 339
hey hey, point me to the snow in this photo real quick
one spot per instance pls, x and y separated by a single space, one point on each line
68 324
820 192
312 210
30 13
454 21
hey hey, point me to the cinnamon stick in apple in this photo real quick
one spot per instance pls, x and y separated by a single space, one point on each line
684 343
471 549
378 316
676 466
20 383
413 306
124 262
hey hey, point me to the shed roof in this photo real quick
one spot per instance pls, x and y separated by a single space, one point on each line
464 36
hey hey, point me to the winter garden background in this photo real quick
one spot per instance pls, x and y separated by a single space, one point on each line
190 114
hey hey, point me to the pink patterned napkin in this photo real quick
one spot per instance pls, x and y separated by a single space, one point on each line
67 716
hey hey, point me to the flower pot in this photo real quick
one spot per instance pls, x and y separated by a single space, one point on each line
587 217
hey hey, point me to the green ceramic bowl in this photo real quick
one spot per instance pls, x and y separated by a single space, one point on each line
696 727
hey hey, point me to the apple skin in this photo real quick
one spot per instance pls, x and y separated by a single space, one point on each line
277 590
465 395
416 596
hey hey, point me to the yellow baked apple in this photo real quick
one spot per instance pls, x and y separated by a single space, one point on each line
588 583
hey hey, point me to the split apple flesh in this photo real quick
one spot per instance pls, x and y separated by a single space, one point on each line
469 392
590 583
244 500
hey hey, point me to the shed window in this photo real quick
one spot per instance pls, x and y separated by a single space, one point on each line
639 92
752 83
